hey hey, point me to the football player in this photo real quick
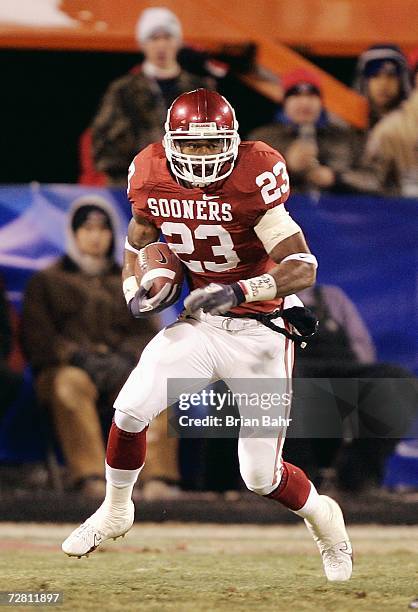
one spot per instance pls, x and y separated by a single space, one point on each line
219 204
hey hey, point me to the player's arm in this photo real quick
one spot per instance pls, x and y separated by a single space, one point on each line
296 268
140 233
285 244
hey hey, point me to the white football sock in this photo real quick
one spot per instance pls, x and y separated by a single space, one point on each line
314 507
119 485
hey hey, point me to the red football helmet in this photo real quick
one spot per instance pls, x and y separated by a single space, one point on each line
201 114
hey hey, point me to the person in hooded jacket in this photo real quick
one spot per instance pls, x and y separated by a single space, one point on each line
80 339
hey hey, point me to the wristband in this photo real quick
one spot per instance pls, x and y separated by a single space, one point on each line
129 247
305 257
259 288
239 292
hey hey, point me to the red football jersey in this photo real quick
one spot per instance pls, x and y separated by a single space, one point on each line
211 229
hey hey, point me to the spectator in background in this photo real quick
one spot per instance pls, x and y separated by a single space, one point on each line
343 349
134 108
10 381
382 76
320 154
81 340
392 146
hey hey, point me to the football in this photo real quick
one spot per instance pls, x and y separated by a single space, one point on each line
158 264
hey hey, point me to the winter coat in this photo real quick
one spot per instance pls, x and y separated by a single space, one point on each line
392 150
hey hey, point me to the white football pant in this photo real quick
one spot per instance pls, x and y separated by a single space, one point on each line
213 348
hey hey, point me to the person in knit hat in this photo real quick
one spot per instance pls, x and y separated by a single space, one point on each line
158 21
392 149
320 153
134 107
382 75
80 340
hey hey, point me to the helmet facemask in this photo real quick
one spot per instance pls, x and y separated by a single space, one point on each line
201 170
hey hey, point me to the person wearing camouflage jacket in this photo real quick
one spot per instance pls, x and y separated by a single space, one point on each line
134 108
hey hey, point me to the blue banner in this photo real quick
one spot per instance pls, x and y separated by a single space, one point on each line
367 246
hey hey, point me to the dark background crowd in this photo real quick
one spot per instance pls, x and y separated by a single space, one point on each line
100 109
70 93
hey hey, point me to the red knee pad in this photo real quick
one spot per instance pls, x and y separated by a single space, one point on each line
125 450
294 487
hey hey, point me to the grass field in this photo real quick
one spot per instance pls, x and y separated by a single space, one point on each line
178 567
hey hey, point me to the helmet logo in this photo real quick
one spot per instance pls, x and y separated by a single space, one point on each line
197 128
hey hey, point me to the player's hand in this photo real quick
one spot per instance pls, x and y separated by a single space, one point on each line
215 298
143 305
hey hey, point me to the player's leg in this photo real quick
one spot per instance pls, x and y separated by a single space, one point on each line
161 470
176 352
265 473
323 518
179 351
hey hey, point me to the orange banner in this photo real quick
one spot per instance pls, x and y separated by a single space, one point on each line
330 26
339 26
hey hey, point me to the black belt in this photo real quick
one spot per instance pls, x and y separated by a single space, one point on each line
300 318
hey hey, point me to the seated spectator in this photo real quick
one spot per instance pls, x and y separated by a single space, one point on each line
343 348
320 154
382 76
10 380
81 340
392 150
343 338
134 108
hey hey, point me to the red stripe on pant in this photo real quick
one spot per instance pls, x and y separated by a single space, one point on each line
288 387
125 450
294 487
